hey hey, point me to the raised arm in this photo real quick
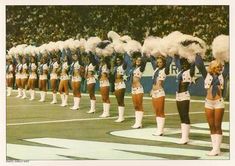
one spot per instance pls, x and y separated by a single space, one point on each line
92 59
226 69
153 62
177 62
143 63
192 69
200 65
126 62
168 63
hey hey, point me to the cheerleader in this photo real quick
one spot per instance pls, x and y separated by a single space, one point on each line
9 75
24 76
54 69
90 76
32 77
137 89
161 69
43 71
18 75
64 82
104 85
184 78
214 78
76 71
120 86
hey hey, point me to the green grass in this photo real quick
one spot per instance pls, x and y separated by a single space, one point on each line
22 111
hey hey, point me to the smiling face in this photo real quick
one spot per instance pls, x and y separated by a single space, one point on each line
160 63
118 61
138 61
75 57
23 60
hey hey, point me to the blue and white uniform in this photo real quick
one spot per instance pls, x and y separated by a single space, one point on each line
54 67
104 69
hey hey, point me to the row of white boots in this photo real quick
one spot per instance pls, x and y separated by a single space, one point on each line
216 139
64 102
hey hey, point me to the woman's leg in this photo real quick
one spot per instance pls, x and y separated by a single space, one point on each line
183 109
76 95
158 105
29 85
121 105
218 130
53 89
66 92
43 90
106 102
91 91
18 84
139 111
61 90
24 83
9 86
33 85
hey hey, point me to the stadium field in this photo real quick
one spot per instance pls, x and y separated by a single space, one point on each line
42 131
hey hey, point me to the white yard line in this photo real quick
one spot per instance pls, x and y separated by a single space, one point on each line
129 97
86 119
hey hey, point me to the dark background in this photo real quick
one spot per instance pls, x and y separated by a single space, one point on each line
37 25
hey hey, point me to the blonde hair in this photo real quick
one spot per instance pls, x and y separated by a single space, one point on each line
213 65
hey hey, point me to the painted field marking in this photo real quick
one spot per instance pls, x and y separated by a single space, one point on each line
87 119
129 97
66 148
146 134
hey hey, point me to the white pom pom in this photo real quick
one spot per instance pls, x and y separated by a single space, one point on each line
107 50
82 44
132 46
125 38
151 46
42 49
60 45
37 50
91 44
76 43
113 35
191 46
118 46
169 44
12 51
20 49
220 48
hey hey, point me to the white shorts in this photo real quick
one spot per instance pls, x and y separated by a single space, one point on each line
9 75
138 90
33 76
119 85
214 104
91 80
18 75
182 96
104 83
157 93
76 79
53 76
24 76
64 77
43 77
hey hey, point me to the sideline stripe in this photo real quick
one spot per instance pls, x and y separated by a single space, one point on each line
129 97
87 119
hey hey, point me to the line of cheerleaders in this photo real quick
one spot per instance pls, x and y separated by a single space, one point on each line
66 66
